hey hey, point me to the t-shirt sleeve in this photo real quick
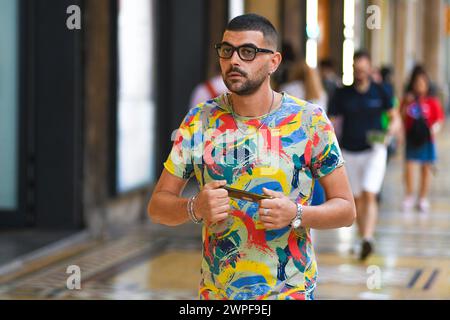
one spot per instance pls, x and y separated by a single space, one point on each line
437 112
180 160
326 155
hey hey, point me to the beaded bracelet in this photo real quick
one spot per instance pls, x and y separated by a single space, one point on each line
191 213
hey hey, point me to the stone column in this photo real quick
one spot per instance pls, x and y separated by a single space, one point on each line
267 8
292 28
324 23
103 213
217 21
336 33
433 39
375 35
400 29
96 141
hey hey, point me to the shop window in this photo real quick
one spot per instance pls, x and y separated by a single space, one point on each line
9 105
135 118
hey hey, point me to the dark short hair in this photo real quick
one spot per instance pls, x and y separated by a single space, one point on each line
360 54
386 72
254 22
418 71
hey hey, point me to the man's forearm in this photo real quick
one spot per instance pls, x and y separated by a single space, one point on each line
335 213
168 209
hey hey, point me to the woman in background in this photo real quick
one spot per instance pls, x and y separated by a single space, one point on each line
423 116
304 83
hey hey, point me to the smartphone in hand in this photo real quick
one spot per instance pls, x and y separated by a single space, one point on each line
245 195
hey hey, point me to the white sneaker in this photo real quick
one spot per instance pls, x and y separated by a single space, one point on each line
424 205
355 248
408 204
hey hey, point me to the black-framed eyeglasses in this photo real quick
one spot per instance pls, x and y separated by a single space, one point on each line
246 52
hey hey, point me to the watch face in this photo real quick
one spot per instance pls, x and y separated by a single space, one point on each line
297 223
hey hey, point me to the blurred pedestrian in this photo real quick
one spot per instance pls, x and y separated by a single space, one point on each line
328 76
364 142
208 89
423 116
330 82
387 81
376 76
304 82
420 69
386 74
282 74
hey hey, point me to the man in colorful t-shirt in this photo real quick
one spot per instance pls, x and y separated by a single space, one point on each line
264 142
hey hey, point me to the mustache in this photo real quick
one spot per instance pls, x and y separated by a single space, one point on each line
237 70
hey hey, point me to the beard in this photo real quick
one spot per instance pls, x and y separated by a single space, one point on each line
244 86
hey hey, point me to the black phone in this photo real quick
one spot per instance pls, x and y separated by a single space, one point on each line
245 195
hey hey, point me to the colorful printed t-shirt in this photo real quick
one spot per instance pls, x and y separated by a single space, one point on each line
295 146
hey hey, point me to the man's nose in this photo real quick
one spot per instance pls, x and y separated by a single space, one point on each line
235 59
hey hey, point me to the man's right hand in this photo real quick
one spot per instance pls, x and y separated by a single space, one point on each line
212 203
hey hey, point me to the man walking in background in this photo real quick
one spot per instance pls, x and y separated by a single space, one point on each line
364 143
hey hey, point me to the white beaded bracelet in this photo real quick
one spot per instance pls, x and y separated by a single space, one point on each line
191 213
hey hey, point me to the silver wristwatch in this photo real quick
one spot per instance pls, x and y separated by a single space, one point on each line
297 221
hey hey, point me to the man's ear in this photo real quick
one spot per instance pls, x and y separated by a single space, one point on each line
276 61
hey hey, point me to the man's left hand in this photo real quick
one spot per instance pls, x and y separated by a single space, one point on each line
278 212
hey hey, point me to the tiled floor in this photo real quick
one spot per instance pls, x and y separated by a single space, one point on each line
412 258
16 243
